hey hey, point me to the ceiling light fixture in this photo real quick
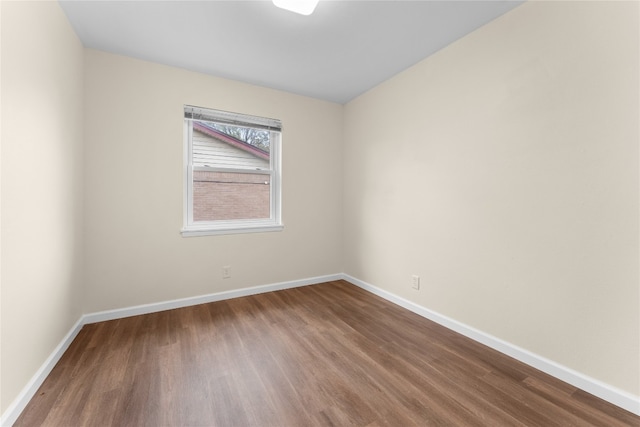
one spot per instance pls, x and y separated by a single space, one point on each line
303 7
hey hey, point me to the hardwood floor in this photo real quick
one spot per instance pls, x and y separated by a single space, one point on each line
323 355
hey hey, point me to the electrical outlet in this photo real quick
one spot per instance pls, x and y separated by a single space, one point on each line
226 272
415 282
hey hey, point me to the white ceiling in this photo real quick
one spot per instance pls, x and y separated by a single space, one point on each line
339 52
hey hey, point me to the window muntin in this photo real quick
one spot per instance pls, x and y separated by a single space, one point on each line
232 173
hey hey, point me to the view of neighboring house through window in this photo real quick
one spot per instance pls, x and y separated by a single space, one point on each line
232 172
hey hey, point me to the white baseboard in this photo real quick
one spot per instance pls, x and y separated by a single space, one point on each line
202 299
595 387
16 407
14 410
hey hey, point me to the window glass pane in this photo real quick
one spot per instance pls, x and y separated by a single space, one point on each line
229 196
226 146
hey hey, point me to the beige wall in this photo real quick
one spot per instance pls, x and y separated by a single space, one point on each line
503 171
41 166
134 187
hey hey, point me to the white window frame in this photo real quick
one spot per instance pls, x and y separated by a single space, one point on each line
193 228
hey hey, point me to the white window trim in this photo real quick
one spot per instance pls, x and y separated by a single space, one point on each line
212 228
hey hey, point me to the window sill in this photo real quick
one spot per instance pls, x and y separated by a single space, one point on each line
214 231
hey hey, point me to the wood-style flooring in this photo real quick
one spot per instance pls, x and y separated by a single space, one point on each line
325 355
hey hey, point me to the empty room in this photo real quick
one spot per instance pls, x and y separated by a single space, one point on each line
343 213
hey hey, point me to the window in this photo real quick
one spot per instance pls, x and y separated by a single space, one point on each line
232 173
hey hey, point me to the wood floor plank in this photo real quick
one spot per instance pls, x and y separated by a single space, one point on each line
325 355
